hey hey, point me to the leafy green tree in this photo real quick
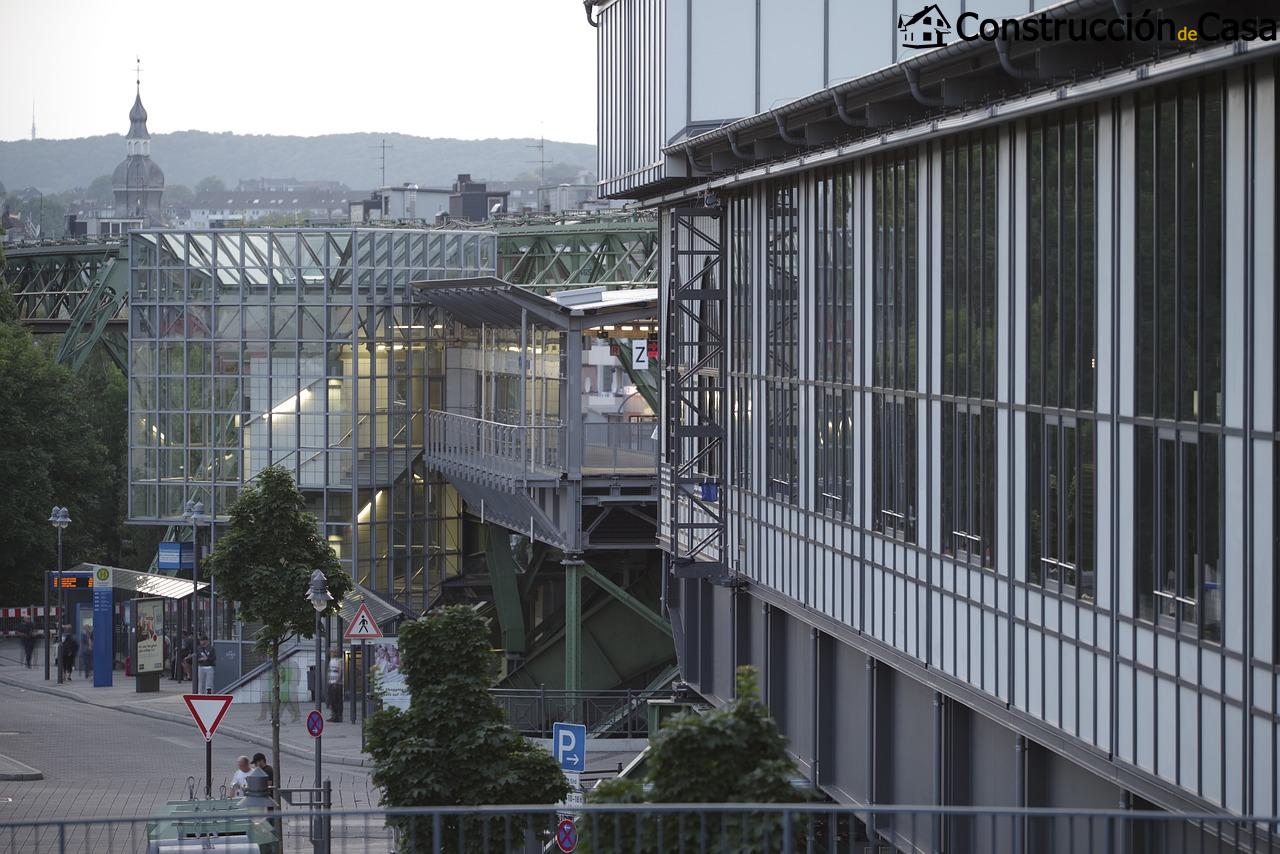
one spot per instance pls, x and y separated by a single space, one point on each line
52 451
211 184
733 754
453 746
264 560
101 189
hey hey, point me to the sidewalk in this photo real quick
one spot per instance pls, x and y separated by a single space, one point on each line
247 721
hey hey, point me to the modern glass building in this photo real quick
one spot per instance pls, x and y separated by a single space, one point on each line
301 348
978 345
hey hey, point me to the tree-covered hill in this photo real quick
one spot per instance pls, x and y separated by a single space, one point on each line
353 158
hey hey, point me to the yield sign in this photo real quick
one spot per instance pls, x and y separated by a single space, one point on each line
362 626
208 710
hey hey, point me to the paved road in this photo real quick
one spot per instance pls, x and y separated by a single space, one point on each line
99 762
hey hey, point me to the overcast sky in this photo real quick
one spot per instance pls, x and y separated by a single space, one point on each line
443 68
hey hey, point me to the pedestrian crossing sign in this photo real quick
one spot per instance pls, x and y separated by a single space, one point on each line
362 626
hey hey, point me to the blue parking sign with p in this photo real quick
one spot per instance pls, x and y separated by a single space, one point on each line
569 742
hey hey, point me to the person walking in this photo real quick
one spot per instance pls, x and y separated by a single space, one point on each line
67 650
335 686
206 658
86 652
28 635
185 655
240 780
260 761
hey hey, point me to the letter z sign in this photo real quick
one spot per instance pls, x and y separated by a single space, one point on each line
569 741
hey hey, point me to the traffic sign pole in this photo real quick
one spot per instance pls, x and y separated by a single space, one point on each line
208 768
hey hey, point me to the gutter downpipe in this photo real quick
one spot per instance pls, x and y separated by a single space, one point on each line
733 146
785 135
844 114
1002 49
913 80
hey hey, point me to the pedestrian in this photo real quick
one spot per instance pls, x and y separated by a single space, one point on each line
206 658
184 656
28 634
86 652
335 686
260 761
240 780
288 690
67 650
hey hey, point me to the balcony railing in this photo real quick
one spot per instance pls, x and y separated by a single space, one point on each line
508 450
621 447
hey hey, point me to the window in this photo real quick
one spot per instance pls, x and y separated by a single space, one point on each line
1179 237
782 349
740 282
835 294
894 317
1179 530
1178 341
969 347
1062 360
1061 484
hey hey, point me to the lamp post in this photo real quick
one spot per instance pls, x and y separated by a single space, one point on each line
193 512
319 596
59 518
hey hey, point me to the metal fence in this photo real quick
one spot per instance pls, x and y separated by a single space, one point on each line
689 828
510 450
532 712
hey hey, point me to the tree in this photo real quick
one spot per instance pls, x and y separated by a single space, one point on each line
733 754
264 560
52 451
179 195
101 189
211 184
453 746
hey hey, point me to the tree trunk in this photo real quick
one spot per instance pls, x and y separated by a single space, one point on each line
275 719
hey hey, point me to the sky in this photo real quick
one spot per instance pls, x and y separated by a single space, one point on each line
444 68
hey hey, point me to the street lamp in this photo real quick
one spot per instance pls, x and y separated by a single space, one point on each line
59 518
193 512
319 596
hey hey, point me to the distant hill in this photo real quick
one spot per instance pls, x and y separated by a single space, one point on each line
54 165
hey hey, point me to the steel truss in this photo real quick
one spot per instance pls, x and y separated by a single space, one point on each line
620 254
79 290
696 376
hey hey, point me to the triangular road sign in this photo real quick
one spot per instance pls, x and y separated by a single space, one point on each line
362 626
208 710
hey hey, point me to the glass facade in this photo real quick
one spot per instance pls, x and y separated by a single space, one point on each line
305 349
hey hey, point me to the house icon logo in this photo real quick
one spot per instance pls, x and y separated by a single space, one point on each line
925 29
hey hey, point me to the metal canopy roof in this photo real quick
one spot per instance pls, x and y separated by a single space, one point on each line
145 583
490 300
384 612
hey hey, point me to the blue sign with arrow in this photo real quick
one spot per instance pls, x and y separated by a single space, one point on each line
569 742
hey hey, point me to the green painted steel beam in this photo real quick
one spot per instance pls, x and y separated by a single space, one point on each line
573 571
647 386
627 599
505 584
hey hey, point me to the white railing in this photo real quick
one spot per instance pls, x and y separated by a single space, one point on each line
511 450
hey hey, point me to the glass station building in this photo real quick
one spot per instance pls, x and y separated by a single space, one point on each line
304 349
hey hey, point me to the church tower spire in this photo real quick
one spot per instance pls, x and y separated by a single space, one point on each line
138 182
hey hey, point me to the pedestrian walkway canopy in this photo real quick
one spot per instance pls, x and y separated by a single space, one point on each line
143 583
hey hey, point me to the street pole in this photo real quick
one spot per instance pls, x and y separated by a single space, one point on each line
208 768
61 598
320 598
46 625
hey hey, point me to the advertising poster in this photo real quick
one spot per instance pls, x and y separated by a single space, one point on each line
387 675
150 636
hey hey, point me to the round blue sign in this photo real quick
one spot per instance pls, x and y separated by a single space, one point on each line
315 723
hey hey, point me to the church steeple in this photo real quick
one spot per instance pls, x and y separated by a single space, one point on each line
139 138
138 182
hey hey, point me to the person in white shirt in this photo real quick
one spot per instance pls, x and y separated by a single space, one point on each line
335 686
240 781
